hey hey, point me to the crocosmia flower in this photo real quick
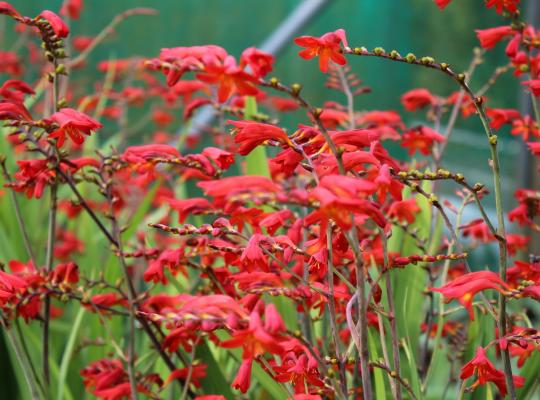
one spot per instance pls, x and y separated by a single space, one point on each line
327 47
74 124
486 372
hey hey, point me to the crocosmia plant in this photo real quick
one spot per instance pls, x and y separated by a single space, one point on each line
255 257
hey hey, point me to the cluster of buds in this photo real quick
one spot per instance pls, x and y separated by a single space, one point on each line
400 262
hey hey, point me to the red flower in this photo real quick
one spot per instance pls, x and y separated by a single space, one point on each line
534 86
15 90
466 286
222 158
339 196
196 373
490 37
478 229
229 77
327 47
13 111
8 9
486 372
417 98
231 186
32 178
72 123
187 207
515 242
57 24
257 339
72 8
442 3
525 127
535 148
258 61
67 245
509 5
299 370
250 134
422 139
242 381
65 275
500 116
282 104
404 210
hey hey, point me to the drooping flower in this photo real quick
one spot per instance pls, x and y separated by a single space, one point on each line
8 9
500 5
72 123
187 207
466 286
486 372
15 90
10 110
250 134
327 47
490 37
57 24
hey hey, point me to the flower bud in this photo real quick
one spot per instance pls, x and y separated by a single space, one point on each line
410 58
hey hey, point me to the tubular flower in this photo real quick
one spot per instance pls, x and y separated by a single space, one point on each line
73 124
8 9
500 117
526 127
187 207
229 77
255 341
404 211
250 134
327 47
422 139
534 86
466 286
417 98
10 110
486 372
338 197
490 37
57 24
500 5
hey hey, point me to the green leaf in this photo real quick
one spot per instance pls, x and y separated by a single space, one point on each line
215 382
66 357
531 373
378 374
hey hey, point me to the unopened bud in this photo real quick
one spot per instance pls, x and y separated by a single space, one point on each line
296 88
410 58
